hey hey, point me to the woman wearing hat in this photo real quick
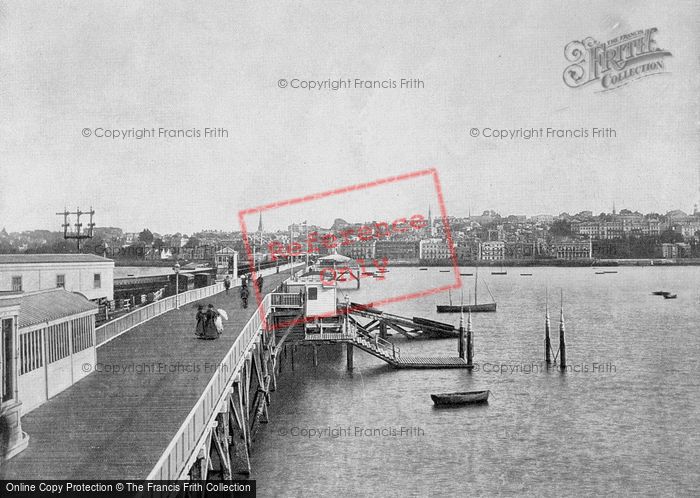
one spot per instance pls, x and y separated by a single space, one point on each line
201 316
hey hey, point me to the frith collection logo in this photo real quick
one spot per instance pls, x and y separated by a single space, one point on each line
616 62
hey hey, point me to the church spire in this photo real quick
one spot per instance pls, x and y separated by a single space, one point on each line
260 225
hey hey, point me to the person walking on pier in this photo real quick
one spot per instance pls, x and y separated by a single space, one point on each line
201 317
210 330
227 283
259 282
244 294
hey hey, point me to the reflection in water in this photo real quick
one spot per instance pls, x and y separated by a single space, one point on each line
622 419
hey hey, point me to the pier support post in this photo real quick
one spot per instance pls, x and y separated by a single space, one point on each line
240 440
315 348
349 355
382 330
222 440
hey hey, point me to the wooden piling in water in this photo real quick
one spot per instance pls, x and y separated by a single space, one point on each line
470 341
461 346
562 342
349 355
547 339
315 347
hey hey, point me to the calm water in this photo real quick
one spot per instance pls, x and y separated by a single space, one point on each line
630 427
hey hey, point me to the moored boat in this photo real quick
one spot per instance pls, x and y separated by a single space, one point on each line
660 293
670 296
474 308
463 398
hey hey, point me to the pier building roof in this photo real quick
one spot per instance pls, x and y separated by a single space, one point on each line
49 305
51 258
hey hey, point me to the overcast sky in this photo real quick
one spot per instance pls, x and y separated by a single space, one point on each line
190 65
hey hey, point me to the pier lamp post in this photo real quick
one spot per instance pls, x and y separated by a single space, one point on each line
176 268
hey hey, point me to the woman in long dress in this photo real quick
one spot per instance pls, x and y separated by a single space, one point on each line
210 330
201 316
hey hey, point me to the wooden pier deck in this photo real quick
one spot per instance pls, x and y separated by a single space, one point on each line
115 425
407 361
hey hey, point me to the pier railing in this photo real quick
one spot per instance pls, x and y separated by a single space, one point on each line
377 344
286 300
173 461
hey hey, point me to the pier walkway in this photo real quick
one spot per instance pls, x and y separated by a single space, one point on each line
117 422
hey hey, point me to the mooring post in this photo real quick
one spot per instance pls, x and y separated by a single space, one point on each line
547 340
348 355
460 345
562 342
470 339
315 347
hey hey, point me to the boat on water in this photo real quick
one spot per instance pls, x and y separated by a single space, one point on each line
670 296
444 271
422 269
466 274
610 271
474 308
526 274
464 398
660 293
600 273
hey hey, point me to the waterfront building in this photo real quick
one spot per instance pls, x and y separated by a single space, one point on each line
397 250
572 249
492 250
520 250
88 274
669 251
467 251
358 249
434 250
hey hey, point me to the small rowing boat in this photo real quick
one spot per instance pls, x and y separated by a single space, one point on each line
526 274
423 269
660 293
670 296
465 398
467 274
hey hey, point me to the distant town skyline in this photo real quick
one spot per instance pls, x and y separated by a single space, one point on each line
270 227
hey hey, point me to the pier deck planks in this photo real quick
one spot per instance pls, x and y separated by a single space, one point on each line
116 426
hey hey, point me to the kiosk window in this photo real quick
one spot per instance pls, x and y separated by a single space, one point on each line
313 293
